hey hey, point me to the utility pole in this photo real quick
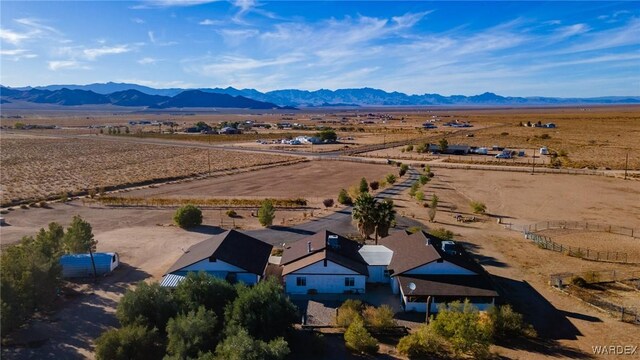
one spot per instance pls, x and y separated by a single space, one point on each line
626 165
533 169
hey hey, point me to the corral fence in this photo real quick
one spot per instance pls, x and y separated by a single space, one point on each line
628 314
581 225
545 242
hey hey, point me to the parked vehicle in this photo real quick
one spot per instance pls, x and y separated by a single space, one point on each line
503 155
544 151
482 151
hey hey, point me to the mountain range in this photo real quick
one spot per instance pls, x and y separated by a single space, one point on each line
123 94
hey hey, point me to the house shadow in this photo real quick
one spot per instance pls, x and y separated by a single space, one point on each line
484 260
291 230
550 323
207 229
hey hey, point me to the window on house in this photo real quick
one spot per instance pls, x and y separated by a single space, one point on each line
349 281
301 281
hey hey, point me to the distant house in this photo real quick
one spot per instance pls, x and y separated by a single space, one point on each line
424 267
231 255
324 263
451 149
228 130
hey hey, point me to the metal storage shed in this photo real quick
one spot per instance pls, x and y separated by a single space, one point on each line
79 265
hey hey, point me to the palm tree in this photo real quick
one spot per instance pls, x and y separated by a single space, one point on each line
364 214
385 216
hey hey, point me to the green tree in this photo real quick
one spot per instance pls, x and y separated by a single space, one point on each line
344 198
263 310
443 145
131 342
79 237
420 196
414 188
192 333
423 179
241 346
433 207
385 217
390 179
462 325
188 216
148 304
19 125
508 324
327 135
202 289
357 338
364 214
364 185
266 213
30 274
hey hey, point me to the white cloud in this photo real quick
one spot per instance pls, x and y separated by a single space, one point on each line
228 64
236 37
148 4
17 54
147 61
13 37
158 84
571 30
410 19
154 40
209 22
67 64
137 20
92 54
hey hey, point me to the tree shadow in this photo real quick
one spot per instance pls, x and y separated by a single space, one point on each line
207 229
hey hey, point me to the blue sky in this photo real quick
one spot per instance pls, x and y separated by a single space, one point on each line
562 49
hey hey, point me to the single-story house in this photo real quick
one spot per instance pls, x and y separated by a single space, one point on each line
324 263
228 130
231 255
451 149
426 269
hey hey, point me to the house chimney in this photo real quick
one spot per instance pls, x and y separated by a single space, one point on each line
309 247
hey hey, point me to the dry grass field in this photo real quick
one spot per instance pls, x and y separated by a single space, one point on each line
35 168
596 241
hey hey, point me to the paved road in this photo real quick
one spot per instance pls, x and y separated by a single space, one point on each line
339 222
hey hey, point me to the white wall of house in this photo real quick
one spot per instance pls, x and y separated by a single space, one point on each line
377 274
220 269
328 279
439 268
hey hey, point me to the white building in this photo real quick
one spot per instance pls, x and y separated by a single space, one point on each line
231 255
324 263
378 258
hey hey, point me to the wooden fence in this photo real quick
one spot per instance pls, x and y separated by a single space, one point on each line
581 225
545 242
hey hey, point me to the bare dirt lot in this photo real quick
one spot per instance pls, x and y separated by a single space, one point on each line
597 241
34 167
314 180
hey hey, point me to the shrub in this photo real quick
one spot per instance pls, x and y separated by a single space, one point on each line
478 207
578 281
266 213
390 179
242 346
347 312
129 343
424 343
403 169
64 196
443 145
327 203
508 324
357 338
504 133
231 213
379 318
414 229
414 189
545 136
442 233
374 185
462 325
423 179
364 185
420 196
188 216
563 153
344 198
409 147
